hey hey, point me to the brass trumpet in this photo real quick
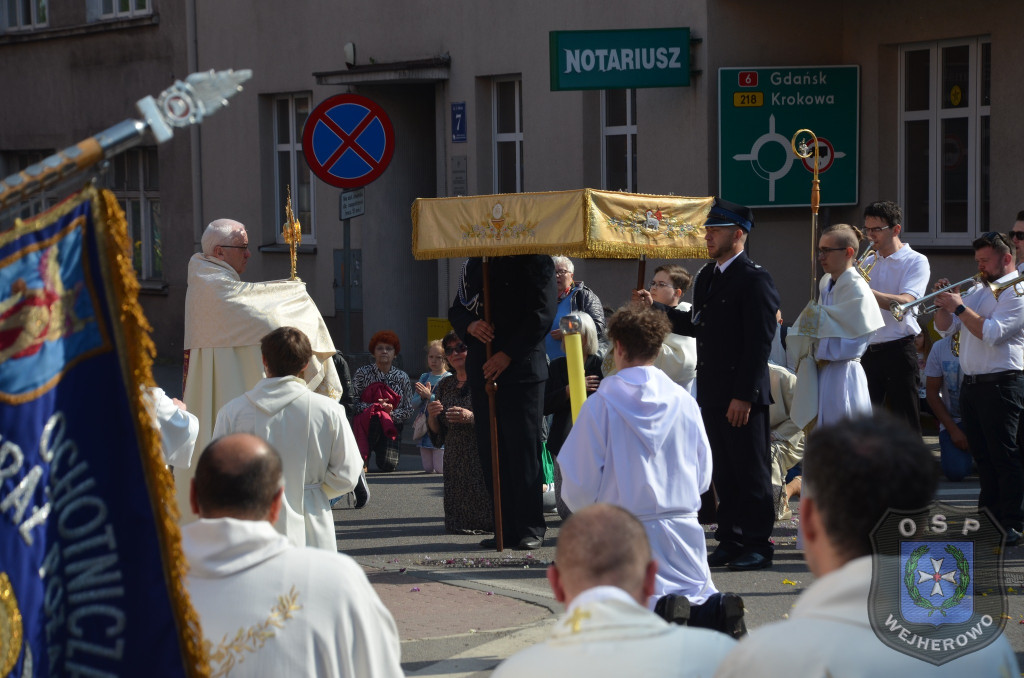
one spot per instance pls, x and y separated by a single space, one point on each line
964 288
866 272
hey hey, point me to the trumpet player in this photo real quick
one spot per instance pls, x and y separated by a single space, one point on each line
830 336
992 393
899 275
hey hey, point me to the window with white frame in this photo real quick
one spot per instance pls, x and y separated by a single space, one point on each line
507 117
618 147
124 9
945 97
290 113
24 15
134 179
15 161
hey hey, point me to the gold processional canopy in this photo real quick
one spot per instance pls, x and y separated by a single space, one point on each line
580 223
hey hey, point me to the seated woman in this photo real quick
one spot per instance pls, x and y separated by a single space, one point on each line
384 400
468 506
556 397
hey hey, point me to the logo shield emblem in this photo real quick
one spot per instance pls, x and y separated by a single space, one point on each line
937 590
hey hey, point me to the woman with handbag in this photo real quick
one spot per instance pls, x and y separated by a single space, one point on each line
432 457
383 403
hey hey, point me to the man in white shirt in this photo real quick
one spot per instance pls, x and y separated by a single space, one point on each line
992 395
267 607
899 275
831 335
854 472
639 443
603 573
321 459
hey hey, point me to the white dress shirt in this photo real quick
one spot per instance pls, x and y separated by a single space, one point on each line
902 272
1001 347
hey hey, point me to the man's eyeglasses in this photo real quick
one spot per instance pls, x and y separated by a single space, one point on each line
457 348
658 284
562 271
877 230
1017 235
993 236
236 247
825 251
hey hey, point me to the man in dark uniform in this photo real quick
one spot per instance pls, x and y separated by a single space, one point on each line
733 319
523 302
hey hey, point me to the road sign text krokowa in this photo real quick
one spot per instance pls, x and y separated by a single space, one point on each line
759 111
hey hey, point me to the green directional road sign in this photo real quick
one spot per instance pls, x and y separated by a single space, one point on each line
759 111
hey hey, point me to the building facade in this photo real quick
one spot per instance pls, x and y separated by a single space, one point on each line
468 88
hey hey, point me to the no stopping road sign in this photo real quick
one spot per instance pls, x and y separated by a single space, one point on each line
348 141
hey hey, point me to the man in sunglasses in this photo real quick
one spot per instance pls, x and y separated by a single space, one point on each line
225 319
899 274
992 393
1017 233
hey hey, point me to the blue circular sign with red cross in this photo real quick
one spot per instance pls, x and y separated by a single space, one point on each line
348 141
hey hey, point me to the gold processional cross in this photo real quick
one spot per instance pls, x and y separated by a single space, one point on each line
292 231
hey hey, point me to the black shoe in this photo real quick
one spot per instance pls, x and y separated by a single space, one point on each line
732 616
489 543
530 543
750 561
673 609
723 555
361 491
1013 537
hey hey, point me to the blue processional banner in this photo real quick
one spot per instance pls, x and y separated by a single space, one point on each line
91 570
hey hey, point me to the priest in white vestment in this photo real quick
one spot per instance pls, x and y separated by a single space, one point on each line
830 336
321 459
267 607
224 321
639 443
854 472
603 573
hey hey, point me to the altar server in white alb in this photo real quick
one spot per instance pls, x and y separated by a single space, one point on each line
854 472
224 321
603 573
639 443
321 459
178 427
266 606
831 335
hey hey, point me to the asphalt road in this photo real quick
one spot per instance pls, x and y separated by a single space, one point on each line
461 609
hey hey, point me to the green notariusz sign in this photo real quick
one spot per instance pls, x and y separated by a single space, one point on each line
650 57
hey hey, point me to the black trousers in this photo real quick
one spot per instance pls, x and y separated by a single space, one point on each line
991 414
891 371
520 408
742 478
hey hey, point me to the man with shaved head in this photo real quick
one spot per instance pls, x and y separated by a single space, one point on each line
314 611
604 573
225 319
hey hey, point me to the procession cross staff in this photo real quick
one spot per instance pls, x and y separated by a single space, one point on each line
492 416
803 152
180 105
292 232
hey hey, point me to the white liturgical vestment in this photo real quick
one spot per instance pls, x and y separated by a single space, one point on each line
826 344
828 634
318 452
639 443
269 608
605 634
225 319
178 428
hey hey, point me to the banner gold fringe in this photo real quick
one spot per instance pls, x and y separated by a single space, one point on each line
136 349
585 223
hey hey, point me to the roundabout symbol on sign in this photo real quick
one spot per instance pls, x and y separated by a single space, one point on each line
348 141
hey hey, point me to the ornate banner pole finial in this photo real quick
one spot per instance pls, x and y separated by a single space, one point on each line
802 151
292 232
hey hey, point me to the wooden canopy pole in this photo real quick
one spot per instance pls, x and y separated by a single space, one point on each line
492 388
641 271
